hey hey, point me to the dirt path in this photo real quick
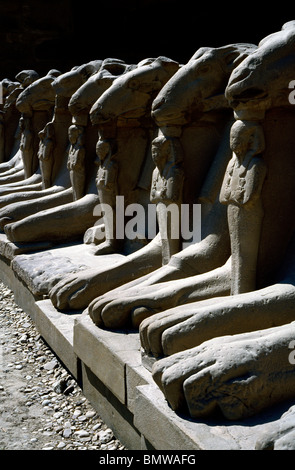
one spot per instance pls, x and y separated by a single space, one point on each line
41 405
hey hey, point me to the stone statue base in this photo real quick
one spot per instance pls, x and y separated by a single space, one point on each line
42 270
122 391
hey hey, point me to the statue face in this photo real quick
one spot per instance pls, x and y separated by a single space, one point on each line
103 149
38 96
261 79
73 134
130 94
160 151
206 75
246 135
82 100
239 138
49 130
67 83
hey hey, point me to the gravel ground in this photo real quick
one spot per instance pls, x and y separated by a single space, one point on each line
41 405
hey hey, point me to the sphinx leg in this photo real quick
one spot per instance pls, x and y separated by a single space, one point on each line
238 375
78 290
151 329
228 315
279 435
14 163
65 222
141 302
19 210
21 182
27 194
13 178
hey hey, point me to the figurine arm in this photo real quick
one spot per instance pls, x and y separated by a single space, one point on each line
254 180
174 187
225 187
48 150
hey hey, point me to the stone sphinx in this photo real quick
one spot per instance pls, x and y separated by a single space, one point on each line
9 122
216 318
75 204
200 127
231 353
10 139
59 190
81 288
36 105
80 105
127 103
86 95
122 115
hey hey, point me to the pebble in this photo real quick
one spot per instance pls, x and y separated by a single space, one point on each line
50 365
82 433
67 432
61 445
67 419
105 436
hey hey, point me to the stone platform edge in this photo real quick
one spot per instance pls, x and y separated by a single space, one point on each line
108 367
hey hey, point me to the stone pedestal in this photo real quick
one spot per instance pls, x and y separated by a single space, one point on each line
108 366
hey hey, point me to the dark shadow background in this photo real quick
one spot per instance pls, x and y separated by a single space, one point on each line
45 34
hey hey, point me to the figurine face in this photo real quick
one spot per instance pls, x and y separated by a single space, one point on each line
160 151
73 134
102 149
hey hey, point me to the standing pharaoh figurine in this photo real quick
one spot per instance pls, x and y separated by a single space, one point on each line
76 160
241 191
107 188
26 145
166 192
45 154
